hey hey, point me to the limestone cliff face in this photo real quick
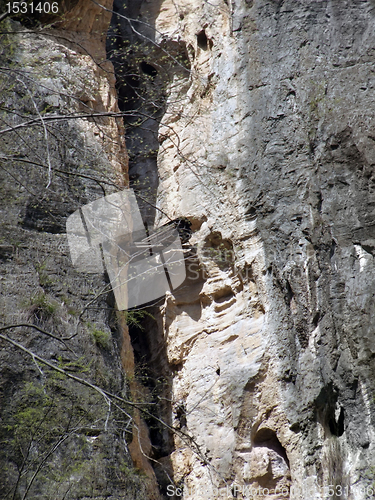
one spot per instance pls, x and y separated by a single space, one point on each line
266 145
253 118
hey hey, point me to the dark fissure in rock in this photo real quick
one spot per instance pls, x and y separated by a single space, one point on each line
330 414
337 426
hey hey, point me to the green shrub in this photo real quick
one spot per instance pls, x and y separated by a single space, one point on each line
102 339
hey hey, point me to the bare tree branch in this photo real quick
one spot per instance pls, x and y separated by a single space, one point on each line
30 325
105 394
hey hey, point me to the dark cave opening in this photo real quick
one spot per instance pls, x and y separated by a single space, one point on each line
267 437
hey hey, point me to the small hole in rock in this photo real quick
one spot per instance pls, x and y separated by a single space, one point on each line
202 40
251 210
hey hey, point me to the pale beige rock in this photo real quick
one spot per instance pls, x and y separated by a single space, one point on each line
263 347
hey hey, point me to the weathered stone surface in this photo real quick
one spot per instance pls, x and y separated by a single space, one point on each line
266 143
261 111
59 438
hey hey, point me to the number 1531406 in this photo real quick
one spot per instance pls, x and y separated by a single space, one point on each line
30 8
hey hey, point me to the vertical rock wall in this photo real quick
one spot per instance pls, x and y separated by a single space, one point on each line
262 111
59 437
267 146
